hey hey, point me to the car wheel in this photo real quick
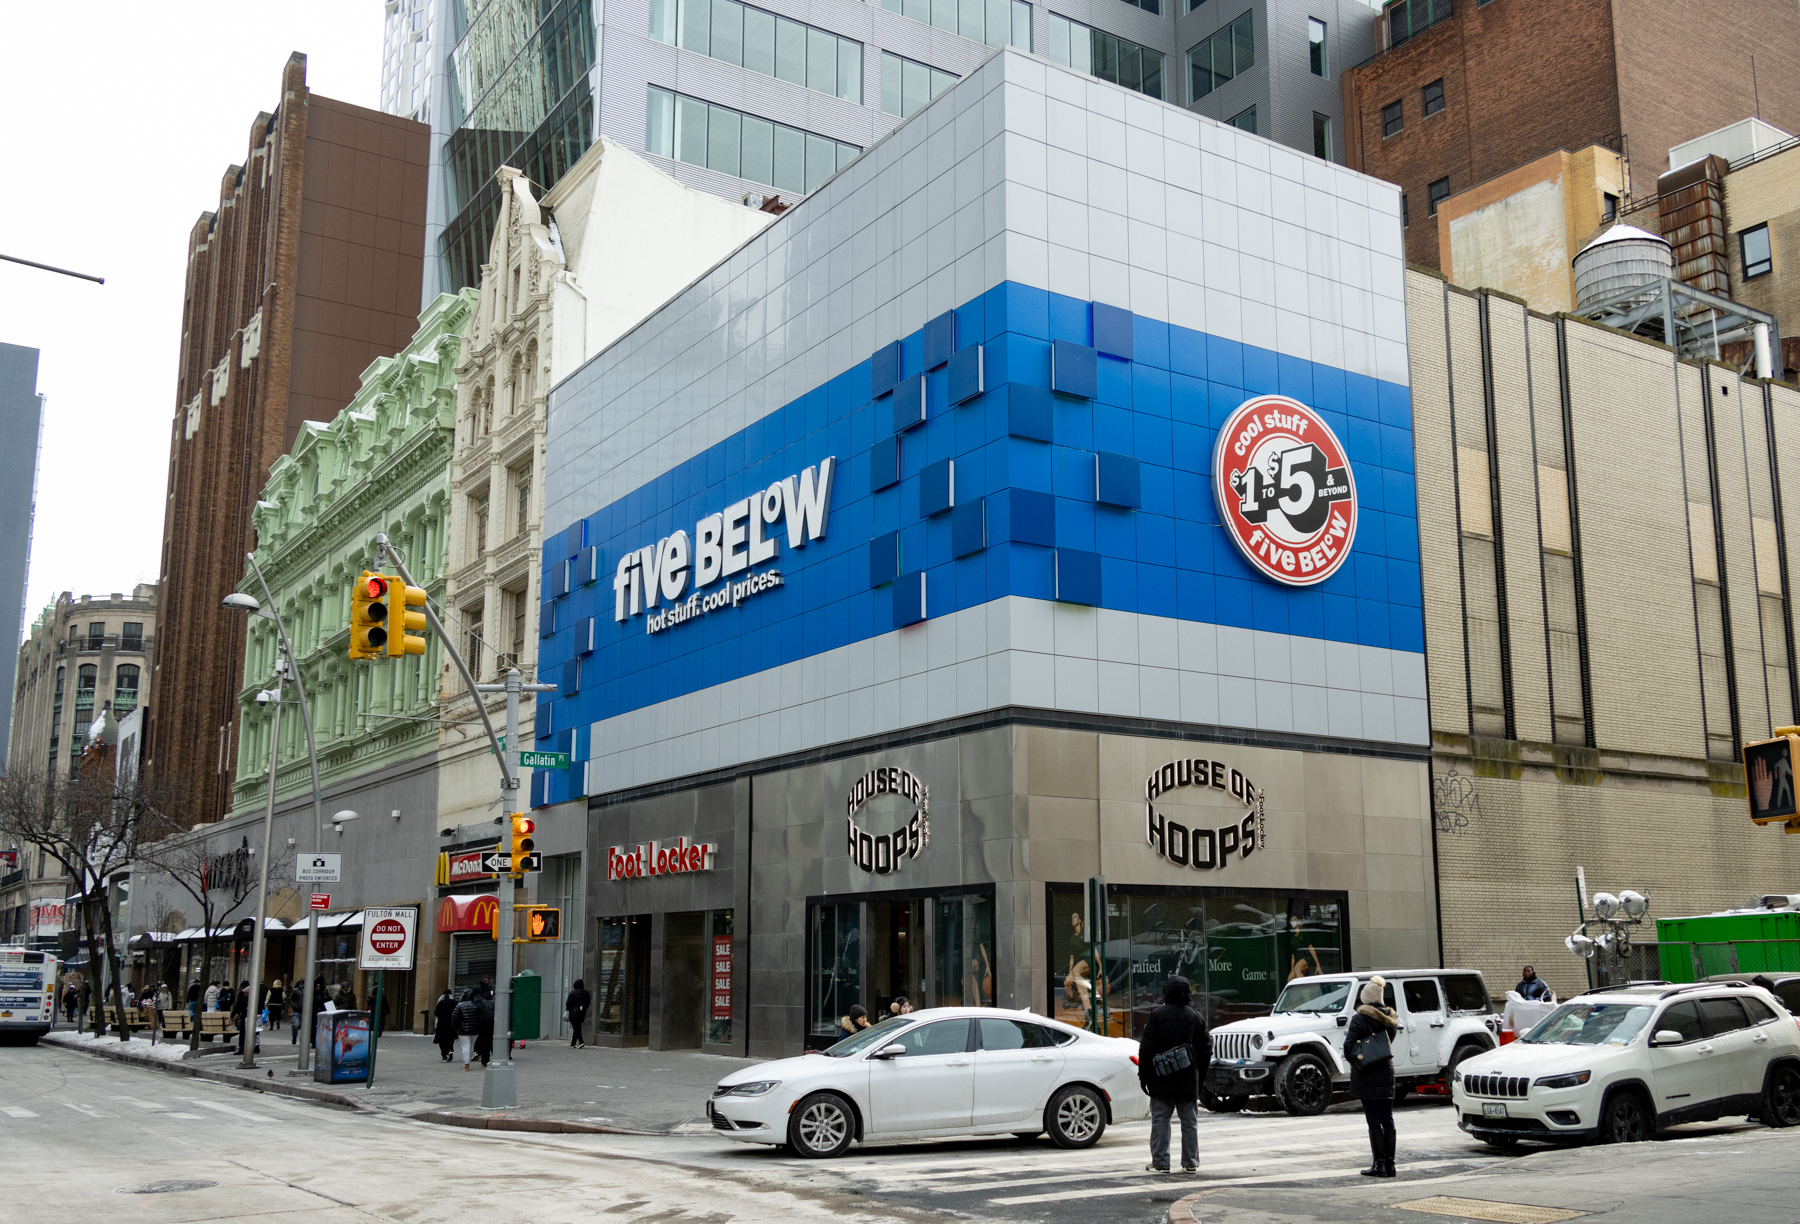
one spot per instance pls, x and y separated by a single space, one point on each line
1075 1117
1303 1085
1623 1119
821 1126
1214 1103
1781 1096
1501 1141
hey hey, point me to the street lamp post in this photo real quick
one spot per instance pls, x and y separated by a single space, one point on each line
247 1036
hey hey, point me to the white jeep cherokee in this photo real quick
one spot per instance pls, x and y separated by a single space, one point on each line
1296 1053
1619 1065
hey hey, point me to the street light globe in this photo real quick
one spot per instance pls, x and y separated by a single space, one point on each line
1605 904
1580 945
1633 903
246 603
344 815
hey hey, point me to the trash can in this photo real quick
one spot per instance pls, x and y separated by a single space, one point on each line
527 1006
341 1048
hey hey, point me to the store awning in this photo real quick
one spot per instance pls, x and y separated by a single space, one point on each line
348 918
468 913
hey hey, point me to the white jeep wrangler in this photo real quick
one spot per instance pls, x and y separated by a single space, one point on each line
1296 1053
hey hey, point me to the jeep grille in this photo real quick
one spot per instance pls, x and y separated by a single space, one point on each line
1496 1085
1232 1045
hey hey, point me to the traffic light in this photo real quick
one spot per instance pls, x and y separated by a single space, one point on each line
1770 782
405 624
523 827
368 616
542 922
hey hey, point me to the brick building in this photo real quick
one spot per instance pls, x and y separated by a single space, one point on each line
306 273
1465 91
1598 649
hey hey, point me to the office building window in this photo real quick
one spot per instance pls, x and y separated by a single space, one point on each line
1227 54
1149 6
125 690
1759 259
1322 136
1106 56
96 634
1609 206
1432 98
1315 46
1405 219
1393 120
762 42
132 637
998 23
1245 119
741 145
1439 191
1410 18
907 85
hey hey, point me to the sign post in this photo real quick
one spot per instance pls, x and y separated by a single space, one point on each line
391 935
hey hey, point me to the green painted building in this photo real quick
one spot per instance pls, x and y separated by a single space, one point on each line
382 465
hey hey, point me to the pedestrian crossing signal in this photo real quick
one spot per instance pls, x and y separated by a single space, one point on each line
542 922
1769 769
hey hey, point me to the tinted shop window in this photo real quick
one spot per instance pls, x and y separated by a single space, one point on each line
1237 949
1431 98
1106 56
1226 55
907 85
998 23
745 146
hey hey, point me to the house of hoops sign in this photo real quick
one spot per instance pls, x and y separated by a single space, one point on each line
1203 849
883 853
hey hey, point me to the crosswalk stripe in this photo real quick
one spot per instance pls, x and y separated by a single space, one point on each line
1212 1183
89 1110
189 1117
13 1111
138 1103
1127 1160
1019 1183
233 1110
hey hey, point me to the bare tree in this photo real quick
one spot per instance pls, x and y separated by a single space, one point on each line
219 882
93 823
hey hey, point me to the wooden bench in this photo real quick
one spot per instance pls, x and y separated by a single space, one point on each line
176 1022
134 1019
217 1024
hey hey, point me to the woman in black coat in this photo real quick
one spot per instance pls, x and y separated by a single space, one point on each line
445 1031
576 1005
466 1020
1173 1053
1372 1078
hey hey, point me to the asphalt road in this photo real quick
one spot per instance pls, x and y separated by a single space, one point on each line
80 1132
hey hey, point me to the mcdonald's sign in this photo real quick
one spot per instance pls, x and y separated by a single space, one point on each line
477 913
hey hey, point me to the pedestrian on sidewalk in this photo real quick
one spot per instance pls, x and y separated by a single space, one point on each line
855 1021
70 998
484 1034
1367 1044
1172 1054
244 1019
467 1019
445 1032
275 1001
576 1005
212 996
294 1022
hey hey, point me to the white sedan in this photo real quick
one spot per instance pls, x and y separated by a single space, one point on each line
946 1071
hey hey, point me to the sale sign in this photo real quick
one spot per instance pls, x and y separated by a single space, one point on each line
721 977
390 934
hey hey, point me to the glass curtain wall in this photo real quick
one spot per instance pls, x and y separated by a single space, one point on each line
1238 949
762 42
907 85
1106 56
997 23
744 146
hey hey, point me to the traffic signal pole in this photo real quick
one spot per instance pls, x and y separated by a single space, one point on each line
499 1083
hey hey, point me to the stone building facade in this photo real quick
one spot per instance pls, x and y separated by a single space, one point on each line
1609 617
306 272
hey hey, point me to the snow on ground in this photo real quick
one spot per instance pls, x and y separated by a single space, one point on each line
137 1047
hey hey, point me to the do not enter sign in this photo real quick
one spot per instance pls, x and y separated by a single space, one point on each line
389 935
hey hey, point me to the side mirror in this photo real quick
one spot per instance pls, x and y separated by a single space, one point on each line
1667 1037
894 1051
1343 1021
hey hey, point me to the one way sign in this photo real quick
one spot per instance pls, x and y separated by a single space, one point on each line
497 861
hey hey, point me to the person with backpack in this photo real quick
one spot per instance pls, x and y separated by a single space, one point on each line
1368 1045
1173 1052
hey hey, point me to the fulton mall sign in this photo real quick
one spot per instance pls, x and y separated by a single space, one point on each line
1203 849
726 545
1286 495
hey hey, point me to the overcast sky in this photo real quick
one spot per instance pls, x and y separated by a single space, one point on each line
117 121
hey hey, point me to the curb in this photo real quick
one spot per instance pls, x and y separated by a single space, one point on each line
1181 1211
322 1096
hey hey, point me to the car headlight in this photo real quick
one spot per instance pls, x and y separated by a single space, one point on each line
1256 1041
754 1088
1456 1076
1571 1079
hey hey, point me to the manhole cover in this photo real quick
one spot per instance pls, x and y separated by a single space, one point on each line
1482 1209
166 1187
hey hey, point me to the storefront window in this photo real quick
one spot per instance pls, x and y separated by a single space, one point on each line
947 943
622 984
337 956
1238 950
834 974
718 1004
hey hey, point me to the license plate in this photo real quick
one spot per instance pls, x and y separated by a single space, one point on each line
1493 1109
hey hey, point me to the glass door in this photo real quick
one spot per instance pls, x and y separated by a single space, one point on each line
834 970
897 956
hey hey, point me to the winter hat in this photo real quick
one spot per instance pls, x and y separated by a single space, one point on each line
1374 992
1178 990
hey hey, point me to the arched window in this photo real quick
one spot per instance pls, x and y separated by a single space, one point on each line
125 689
514 387
59 682
528 386
127 680
487 408
86 678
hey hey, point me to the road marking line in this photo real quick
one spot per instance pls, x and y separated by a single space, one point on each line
13 1111
189 1117
233 1110
139 1104
1252 1162
1210 1183
89 1110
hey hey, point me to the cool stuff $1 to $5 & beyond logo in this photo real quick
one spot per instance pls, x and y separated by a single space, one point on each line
1285 491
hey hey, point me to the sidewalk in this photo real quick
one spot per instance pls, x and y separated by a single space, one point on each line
559 1088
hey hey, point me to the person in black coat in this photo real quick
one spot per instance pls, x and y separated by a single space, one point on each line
1173 1053
576 1005
445 1031
466 1019
1532 987
1372 1078
484 1038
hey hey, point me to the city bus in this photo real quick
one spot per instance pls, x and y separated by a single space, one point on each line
27 995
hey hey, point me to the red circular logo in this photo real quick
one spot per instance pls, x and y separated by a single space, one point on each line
1285 492
387 936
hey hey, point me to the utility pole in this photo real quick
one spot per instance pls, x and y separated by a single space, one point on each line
499 1083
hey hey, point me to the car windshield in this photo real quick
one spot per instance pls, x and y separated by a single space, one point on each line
876 1035
1314 997
1590 1024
